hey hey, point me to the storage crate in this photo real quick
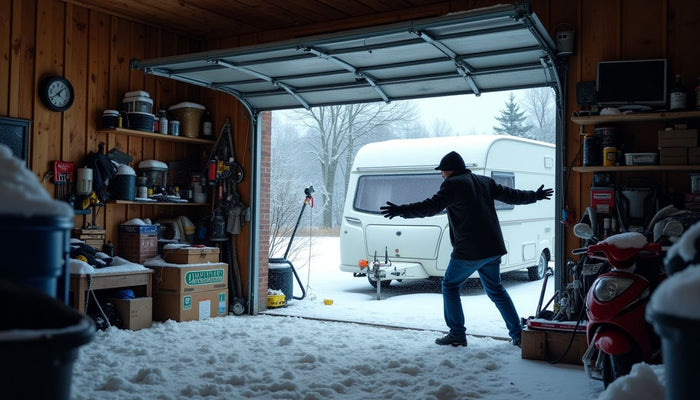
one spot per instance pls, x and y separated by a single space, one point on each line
94 238
673 156
138 243
187 278
191 255
135 313
549 345
190 306
678 138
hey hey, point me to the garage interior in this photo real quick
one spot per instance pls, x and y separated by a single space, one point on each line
241 60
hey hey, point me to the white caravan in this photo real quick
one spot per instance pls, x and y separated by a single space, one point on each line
403 171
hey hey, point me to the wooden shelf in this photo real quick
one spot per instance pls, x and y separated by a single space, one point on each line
155 136
156 203
636 117
635 168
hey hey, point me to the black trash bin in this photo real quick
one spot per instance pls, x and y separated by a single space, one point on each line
35 252
279 277
39 341
681 349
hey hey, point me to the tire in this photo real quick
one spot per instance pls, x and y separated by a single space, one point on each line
385 284
615 366
537 272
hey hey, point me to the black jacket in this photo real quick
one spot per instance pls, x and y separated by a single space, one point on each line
475 231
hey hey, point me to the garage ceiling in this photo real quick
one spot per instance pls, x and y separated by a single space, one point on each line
485 50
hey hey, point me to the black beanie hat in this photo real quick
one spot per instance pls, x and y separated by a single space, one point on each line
451 162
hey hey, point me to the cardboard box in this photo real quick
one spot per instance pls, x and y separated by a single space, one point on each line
138 243
191 306
191 255
135 313
187 278
693 155
549 345
678 138
673 156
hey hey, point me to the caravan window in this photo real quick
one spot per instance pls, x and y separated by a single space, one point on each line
504 179
373 191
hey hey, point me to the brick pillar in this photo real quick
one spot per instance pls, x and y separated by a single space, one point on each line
264 227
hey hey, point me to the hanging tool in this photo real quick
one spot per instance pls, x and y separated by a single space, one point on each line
221 164
223 174
63 178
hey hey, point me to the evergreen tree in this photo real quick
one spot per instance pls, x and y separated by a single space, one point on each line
512 120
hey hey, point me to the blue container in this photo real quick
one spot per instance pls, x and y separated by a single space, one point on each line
38 362
680 348
35 252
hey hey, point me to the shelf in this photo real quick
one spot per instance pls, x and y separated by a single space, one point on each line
636 117
155 203
155 136
636 168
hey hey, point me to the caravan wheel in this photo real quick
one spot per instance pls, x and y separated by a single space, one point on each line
385 284
537 272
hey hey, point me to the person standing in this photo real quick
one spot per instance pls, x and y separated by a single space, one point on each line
476 237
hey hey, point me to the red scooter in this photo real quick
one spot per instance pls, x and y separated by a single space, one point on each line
617 332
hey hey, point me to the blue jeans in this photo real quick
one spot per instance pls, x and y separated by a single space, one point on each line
490 274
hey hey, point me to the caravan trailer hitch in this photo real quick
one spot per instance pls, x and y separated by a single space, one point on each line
377 274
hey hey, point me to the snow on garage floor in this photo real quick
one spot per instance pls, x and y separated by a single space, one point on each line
287 357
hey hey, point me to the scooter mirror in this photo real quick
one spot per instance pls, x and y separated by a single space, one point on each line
672 228
583 231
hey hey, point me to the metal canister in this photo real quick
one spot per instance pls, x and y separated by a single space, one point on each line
591 150
175 127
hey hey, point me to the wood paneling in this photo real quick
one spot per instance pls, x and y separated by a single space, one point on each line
92 49
92 42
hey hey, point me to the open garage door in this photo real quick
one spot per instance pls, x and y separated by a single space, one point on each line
485 50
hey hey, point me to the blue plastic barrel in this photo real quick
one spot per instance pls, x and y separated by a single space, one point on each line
39 342
35 252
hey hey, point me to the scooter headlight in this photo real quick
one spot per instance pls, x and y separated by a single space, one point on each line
608 288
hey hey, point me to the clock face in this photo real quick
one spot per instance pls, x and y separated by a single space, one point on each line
59 93
56 93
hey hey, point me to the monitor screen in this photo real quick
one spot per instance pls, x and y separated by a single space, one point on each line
632 83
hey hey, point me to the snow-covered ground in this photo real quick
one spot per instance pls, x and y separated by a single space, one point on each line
283 356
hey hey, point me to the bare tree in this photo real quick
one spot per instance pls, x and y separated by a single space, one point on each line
539 104
334 134
285 182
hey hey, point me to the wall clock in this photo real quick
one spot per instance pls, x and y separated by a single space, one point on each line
56 93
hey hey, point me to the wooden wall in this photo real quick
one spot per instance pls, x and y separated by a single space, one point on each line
39 38
93 50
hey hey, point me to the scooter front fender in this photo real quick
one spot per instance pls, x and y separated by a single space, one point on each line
612 341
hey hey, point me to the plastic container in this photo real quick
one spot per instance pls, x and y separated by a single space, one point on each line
138 104
35 252
189 115
140 121
39 341
110 119
125 187
680 348
156 172
609 156
695 183
279 277
641 158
